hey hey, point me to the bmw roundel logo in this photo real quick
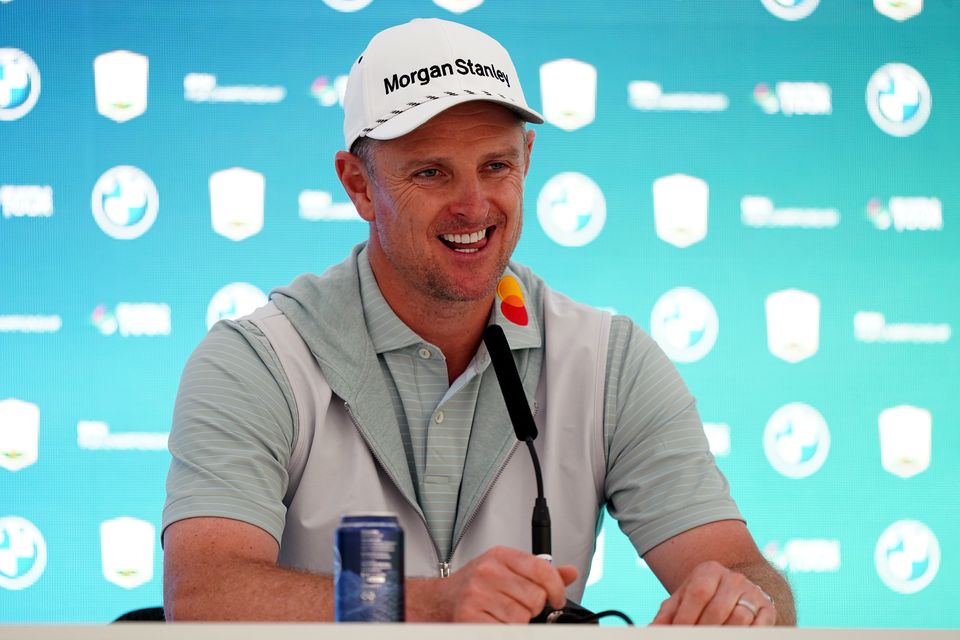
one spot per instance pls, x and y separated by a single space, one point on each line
234 301
791 9
685 324
23 553
796 440
907 556
898 99
347 6
19 84
571 209
125 202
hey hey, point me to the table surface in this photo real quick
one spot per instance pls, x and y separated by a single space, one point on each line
250 631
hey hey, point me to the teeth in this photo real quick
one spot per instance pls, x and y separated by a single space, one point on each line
465 238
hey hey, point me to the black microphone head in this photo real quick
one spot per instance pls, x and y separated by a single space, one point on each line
510 385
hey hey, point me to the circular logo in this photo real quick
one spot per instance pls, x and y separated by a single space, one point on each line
125 203
898 99
347 6
234 301
907 556
796 440
791 9
23 553
685 324
571 209
19 84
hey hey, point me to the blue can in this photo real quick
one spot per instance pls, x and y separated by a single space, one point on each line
368 569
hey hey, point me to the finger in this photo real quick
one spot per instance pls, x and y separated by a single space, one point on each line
668 608
740 616
767 616
731 588
541 573
698 593
568 573
497 587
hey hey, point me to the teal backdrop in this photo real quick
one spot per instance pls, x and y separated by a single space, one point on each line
804 150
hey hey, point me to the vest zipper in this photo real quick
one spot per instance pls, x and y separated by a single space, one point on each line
443 566
473 515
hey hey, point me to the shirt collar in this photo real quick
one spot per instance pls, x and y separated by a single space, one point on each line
511 310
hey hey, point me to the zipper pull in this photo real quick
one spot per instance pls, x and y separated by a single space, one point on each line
444 569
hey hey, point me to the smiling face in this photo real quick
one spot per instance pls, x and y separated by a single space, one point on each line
445 205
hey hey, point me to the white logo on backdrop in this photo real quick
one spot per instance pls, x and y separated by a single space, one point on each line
872 326
571 209
898 99
718 438
26 201
458 6
793 324
234 301
644 95
19 434
596 563
685 324
791 9
906 440
906 214
125 202
680 205
133 319
94 435
760 212
796 440
19 84
203 87
568 90
120 80
907 556
126 551
236 202
804 555
319 206
899 10
23 553
347 6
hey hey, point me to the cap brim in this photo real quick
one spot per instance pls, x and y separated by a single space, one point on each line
403 123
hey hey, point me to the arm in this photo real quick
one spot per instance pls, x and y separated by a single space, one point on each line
708 569
222 569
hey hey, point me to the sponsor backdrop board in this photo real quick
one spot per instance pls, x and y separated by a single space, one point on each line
767 186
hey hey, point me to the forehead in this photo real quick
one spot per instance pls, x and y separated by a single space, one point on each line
465 126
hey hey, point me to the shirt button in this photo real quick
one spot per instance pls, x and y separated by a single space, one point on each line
424 353
438 416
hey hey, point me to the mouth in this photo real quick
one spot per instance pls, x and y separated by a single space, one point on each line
467 242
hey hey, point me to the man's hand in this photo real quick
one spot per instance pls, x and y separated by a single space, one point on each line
502 585
714 594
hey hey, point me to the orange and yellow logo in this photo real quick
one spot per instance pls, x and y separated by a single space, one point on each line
511 301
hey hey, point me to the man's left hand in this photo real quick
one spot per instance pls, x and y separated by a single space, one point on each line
714 594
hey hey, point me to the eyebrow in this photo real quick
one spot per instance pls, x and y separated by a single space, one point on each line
511 153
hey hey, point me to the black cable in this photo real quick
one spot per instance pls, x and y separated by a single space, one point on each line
593 617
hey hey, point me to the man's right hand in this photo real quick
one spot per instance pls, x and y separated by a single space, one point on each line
502 585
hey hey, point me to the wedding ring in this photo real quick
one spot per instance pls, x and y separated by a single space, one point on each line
749 606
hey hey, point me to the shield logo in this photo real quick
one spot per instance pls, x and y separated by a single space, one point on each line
568 89
680 204
905 440
126 551
236 202
793 324
19 434
898 10
120 79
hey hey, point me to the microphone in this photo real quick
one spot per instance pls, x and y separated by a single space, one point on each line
524 427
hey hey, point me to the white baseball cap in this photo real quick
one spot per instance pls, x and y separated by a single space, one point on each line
411 72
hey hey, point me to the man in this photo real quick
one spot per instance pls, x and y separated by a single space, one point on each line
368 389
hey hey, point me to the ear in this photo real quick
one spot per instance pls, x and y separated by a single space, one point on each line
356 182
528 150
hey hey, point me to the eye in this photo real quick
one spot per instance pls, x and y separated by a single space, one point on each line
497 166
428 173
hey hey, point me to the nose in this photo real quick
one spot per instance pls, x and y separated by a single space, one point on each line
470 198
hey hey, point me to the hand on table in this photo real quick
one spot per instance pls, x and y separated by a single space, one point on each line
503 585
714 594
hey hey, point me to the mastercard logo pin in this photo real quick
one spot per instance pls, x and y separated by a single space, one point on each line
511 301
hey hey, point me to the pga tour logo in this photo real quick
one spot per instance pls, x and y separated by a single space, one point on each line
23 553
127 551
685 324
234 301
125 202
19 434
907 556
120 79
898 99
571 209
796 440
19 84
236 202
